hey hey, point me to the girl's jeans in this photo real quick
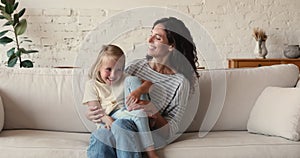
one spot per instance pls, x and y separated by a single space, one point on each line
129 135
119 142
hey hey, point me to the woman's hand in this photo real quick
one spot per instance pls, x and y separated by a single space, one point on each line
147 106
134 96
156 120
132 99
94 114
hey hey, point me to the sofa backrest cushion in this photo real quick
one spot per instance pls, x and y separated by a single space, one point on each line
227 96
50 99
43 98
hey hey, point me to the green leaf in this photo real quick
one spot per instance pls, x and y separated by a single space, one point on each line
7 16
25 41
3 1
18 53
5 40
8 23
16 19
21 13
12 61
26 63
2 7
2 17
9 8
20 28
22 50
3 32
12 2
16 5
31 51
11 52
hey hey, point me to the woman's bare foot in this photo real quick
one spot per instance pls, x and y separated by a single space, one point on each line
151 152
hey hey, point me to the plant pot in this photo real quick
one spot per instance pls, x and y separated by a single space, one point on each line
260 50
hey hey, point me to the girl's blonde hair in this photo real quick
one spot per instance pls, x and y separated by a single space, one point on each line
108 52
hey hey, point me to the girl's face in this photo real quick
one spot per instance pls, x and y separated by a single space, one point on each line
111 71
159 46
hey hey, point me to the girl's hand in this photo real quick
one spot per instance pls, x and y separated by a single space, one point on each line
94 114
108 121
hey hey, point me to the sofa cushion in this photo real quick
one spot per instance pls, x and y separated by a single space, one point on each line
228 95
42 144
230 144
1 115
277 113
43 98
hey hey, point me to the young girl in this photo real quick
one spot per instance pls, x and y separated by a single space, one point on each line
104 90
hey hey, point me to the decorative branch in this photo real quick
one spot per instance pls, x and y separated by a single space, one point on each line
259 34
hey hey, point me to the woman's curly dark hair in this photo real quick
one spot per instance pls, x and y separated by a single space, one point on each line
179 36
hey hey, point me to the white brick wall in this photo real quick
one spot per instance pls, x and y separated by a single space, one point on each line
59 28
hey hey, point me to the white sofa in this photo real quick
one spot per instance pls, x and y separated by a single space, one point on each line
43 116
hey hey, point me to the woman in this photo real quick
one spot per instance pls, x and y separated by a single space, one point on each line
171 67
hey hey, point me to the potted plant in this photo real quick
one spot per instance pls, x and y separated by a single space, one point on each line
15 26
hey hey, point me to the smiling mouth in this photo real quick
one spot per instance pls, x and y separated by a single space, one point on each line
111 80
151 47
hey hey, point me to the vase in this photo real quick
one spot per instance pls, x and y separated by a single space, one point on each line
292 51
260 50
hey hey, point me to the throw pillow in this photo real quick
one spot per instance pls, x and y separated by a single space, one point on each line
276 113
1 115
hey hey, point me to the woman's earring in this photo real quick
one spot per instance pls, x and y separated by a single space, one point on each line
171 48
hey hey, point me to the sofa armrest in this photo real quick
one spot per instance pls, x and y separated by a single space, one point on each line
1 115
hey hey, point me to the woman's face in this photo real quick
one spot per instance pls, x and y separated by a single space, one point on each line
158 43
